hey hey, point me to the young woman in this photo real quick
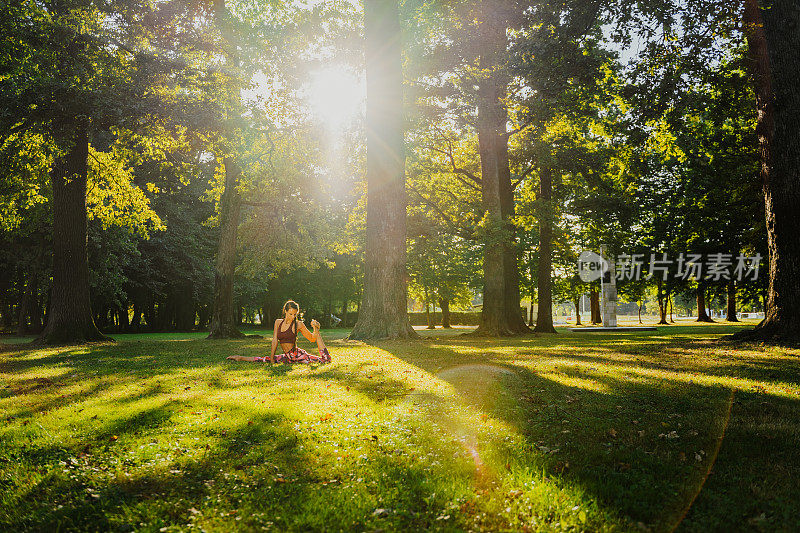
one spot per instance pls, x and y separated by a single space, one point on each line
285 333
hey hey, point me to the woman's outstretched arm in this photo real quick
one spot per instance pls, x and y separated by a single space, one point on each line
312 337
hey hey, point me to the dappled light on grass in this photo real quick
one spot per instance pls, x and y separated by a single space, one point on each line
574 381
540 433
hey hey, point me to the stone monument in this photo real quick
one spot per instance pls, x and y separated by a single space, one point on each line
608 290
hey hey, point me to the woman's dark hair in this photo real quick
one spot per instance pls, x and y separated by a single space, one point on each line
291 304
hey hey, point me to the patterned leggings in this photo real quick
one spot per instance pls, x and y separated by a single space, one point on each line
299 355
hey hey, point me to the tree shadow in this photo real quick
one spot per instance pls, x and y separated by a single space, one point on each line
653 436
564 413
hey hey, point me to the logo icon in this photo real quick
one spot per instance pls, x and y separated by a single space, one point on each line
591 266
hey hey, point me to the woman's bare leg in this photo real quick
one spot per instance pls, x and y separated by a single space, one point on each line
244 358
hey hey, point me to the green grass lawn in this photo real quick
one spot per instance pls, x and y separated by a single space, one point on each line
647 431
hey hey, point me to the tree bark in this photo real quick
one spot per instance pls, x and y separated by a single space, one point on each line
444 304
136 321
224 317
577 303
731 311
70 319
594 306
150 313
26 305
532 267
702 315
500 314
662 303
122 312
428 317
185 311
544 313
774 49
203 315
669 302
383 313
37 324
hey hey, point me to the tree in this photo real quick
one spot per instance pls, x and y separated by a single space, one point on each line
696 32
544 312
383 311
73 76
774 49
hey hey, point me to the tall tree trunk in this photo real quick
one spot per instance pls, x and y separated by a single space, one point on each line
5 304
702 314
185 311
641 303
328 312
577 303
150 313
731 311
532 267
124 319
444 304
37 324
500 315
7 315
430 316
544 313
204 314
669 301
26 306
774 48
662 303
383 313
136 321
70 319
594 306
224 318
47 307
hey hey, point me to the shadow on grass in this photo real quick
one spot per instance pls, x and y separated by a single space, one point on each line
641 445
579 426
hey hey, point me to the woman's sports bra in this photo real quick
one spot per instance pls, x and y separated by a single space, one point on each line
290 335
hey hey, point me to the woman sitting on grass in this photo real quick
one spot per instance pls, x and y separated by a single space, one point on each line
286 333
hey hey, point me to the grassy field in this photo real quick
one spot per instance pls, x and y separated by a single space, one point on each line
648 431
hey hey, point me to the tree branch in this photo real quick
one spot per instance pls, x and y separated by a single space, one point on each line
461 232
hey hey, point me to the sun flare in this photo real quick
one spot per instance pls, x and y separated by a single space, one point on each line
335 95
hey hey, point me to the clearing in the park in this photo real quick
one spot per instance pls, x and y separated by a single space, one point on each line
644 431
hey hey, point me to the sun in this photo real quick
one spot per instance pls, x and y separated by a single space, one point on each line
336 96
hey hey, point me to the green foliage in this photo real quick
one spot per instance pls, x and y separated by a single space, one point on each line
112 197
